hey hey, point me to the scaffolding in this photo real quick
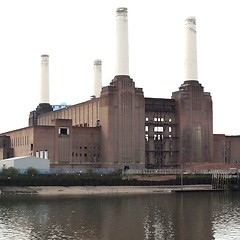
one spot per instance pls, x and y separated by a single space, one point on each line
161 136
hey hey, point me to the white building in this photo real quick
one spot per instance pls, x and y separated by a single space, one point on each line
25 162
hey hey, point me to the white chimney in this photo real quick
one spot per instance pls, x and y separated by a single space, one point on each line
97 83
190 58
122 61
44 97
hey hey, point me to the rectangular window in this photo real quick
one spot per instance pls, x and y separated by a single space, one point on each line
158 129
146 128
63 131
146 137
46 154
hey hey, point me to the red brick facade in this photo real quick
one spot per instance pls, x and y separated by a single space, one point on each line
124 129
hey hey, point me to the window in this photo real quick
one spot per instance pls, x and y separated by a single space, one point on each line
146 128
158 129
46 154
63 131
146 119
98 123
158 137
146 137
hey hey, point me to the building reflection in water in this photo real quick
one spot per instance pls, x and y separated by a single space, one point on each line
157 216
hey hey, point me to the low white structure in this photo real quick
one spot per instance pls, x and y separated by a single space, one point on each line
25 162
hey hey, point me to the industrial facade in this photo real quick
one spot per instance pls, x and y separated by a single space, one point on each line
120 128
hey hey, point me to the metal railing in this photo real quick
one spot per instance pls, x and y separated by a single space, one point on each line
179 171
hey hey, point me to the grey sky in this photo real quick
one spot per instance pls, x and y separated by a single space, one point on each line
74 33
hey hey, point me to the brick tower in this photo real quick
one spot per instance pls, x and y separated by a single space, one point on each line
194 107
122 110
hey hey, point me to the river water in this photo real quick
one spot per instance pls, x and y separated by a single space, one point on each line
193 216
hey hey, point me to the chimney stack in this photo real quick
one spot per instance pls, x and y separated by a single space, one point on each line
44 97
97 83
122 61
190 58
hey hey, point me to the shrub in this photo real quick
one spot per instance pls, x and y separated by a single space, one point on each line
10 171
32 171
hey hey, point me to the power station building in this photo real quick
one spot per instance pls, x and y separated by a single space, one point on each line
119 127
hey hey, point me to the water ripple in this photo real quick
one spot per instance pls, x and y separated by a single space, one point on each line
150 217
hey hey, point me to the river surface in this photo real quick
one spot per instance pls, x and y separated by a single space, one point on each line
193 216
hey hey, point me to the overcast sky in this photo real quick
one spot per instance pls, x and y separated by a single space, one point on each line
76 32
